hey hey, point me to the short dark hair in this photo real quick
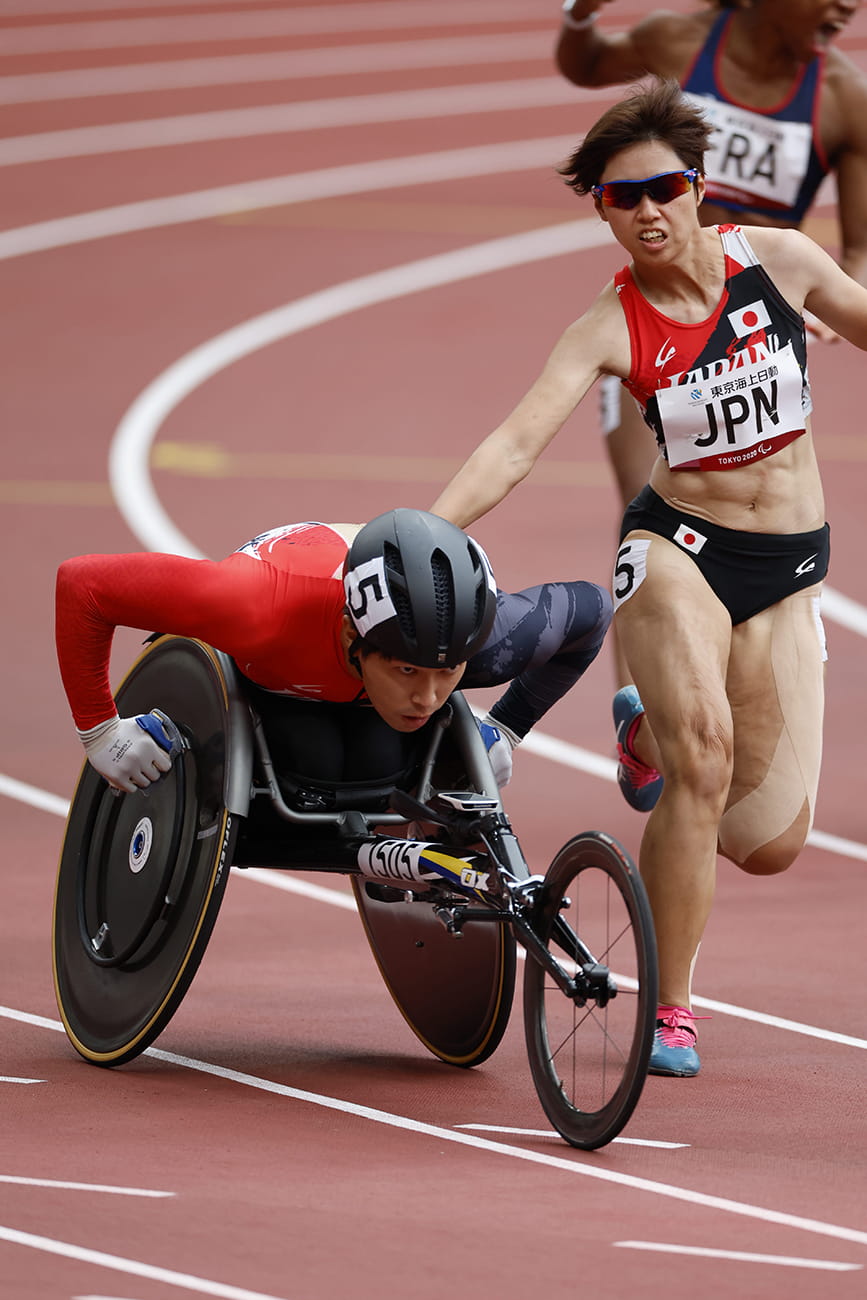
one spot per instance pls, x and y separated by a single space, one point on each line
362 646
659 112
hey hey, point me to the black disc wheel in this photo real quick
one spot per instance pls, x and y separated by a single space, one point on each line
142 875
589 1045
455 993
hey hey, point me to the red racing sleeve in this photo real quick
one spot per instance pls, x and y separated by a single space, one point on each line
221 602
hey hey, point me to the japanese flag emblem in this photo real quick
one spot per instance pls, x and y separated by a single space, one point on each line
749 319
689 539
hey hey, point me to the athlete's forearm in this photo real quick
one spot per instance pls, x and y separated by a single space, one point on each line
590 56
481 483
580 47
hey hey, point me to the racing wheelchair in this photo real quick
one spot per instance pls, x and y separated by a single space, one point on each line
443 890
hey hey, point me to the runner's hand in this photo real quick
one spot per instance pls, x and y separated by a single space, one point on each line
579 11
131 753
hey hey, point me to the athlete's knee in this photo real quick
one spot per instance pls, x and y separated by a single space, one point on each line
700 759
599 611
583 623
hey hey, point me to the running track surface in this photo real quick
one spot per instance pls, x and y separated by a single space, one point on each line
172 172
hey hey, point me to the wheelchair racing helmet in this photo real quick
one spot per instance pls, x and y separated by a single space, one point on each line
419 589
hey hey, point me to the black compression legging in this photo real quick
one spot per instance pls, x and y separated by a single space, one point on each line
542 640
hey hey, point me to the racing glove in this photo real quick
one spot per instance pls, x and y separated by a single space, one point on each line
499 743
131 753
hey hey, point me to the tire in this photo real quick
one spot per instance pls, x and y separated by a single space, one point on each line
142 875
589 1062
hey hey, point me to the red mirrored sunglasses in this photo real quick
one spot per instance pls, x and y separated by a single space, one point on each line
661 188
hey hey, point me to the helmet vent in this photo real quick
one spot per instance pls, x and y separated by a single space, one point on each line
443 595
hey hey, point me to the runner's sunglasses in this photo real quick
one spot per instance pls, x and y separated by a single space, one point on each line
661 188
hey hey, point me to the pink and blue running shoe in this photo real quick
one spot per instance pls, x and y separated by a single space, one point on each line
673 1050
639 784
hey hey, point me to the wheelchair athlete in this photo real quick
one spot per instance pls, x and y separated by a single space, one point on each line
390 616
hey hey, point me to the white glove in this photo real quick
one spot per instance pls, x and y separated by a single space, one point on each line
131 753
498 743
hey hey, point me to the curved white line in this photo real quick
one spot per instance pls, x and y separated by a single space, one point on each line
273 191
251 25
280 65
129 471
284 119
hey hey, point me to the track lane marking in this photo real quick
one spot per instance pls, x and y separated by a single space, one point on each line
284 119
284 66
552 1133
46 802
111 1189
742 1256
135 1268
276 191
262 24
573 1166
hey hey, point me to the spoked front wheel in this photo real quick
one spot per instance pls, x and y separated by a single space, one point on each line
589 1046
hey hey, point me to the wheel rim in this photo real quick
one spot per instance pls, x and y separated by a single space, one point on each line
589 1062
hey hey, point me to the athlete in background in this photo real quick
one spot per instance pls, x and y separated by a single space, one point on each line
787 109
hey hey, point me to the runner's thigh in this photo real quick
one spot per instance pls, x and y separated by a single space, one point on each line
776 688
675 634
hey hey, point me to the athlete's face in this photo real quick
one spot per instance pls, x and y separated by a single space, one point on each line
652 231
406 697
804 28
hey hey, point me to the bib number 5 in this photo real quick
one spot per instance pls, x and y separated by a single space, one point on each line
630 570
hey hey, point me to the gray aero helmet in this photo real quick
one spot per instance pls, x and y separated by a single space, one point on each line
419 589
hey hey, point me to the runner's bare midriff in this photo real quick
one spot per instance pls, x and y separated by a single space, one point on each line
781 494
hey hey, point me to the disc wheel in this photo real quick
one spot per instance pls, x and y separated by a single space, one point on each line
142 875
454 993
589 1061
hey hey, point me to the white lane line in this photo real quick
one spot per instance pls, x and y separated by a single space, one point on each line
276 191
777 1022
83 1187
129 456
251 25
549 1132
35 8
742 1256
305 888
13 1078
136 1268
572 1166
283 66
32 795
41 799
845 611
283 119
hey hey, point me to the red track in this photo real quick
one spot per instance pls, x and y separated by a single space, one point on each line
272 1193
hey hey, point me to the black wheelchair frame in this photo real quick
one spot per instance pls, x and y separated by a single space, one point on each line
441 883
